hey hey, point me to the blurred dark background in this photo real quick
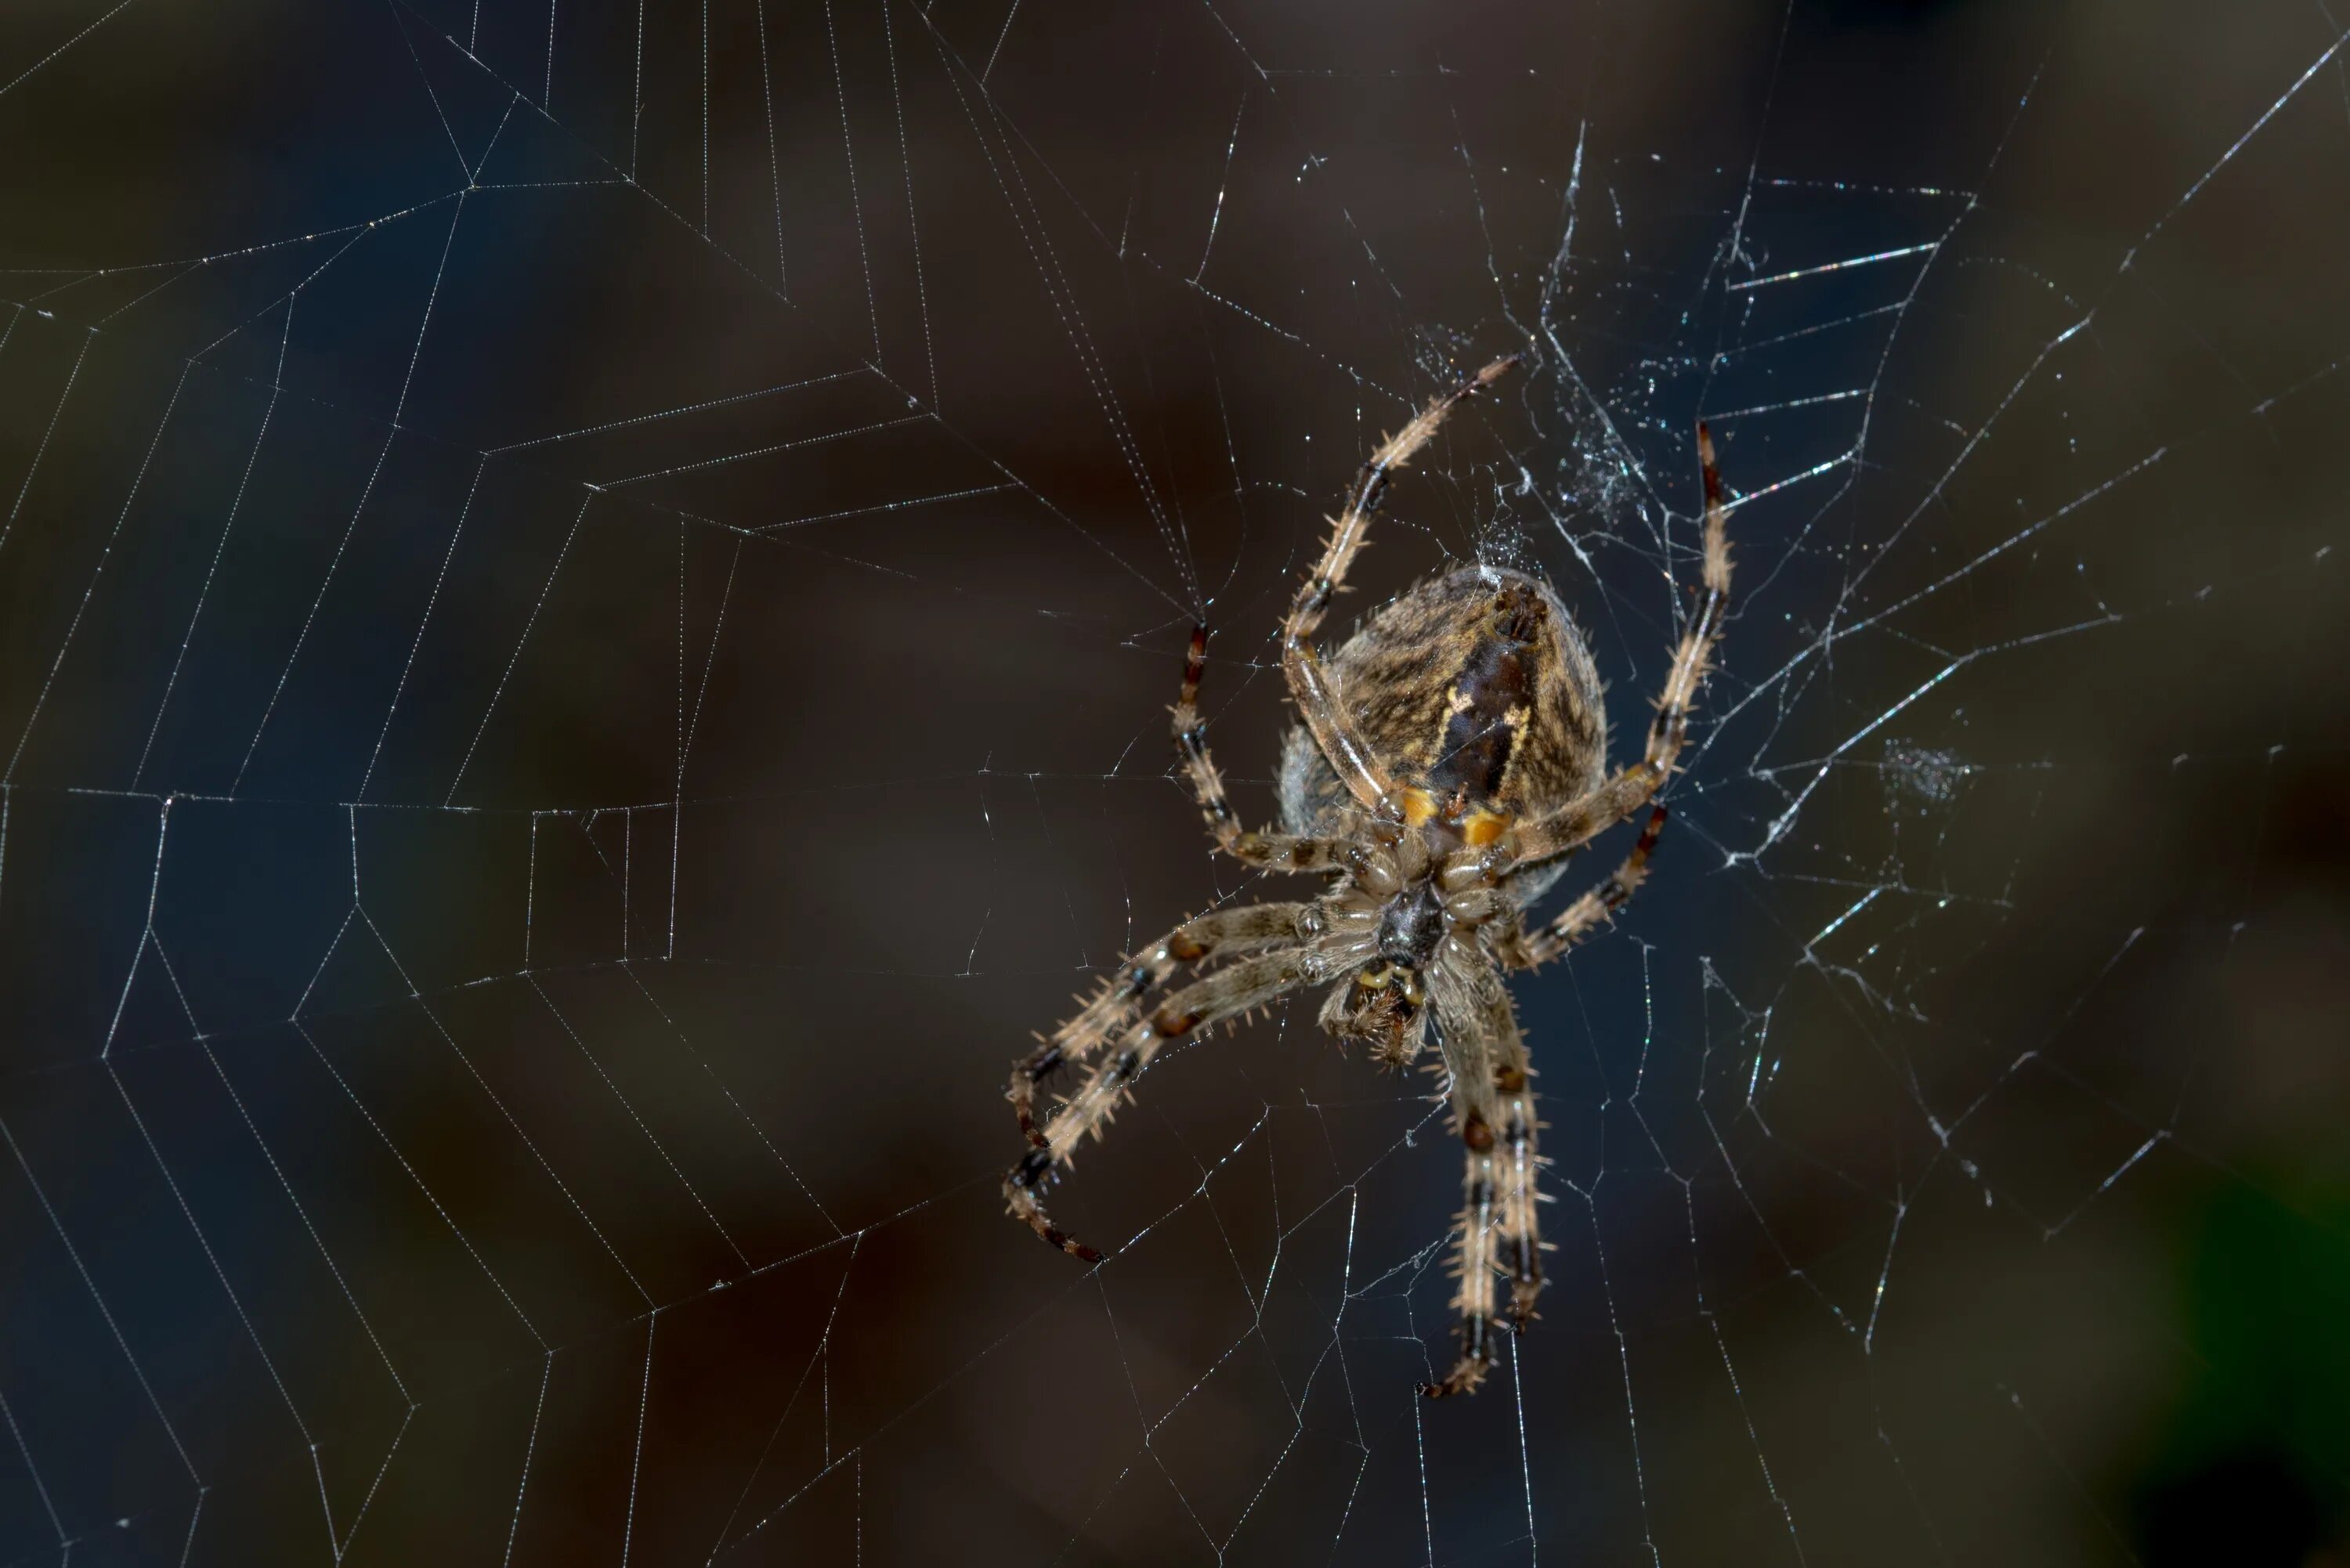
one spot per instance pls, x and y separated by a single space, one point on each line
587 596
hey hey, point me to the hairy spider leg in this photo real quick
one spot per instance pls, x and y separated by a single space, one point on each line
1118 1002
1499 1234
1250 983
1309 679
1596 907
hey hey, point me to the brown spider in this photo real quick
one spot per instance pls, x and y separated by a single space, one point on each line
1448 758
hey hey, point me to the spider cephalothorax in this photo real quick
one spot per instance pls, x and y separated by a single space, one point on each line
1445 763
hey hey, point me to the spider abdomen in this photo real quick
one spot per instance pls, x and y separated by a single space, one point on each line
1475 694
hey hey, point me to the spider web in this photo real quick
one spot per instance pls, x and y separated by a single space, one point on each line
591 596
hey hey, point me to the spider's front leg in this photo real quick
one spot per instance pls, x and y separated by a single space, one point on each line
1493 1110
1250 983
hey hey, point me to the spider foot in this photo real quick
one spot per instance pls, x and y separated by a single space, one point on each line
1525 1278
1020 1199
1476 1360
1522 1304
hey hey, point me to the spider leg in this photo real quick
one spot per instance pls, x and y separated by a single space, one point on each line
1600 904
1225 933
1252 982
1579 820
1493 1110
1269 851
1309 679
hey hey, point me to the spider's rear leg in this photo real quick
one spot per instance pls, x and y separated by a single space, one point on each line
1522 1242
1493 1107
1225 933
1500 1237
1250 983
1474 1262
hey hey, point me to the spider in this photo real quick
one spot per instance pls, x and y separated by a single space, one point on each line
1446 762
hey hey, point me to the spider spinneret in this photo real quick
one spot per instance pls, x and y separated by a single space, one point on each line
1445 763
